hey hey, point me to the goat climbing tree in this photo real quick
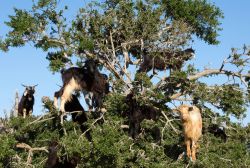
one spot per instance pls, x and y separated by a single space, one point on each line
119 33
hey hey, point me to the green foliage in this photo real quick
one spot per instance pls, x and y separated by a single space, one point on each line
229 98
24 26
44 3
7 147
110 32
115 103
142 80
112 147
22 23
200 14
47 27
86 44
57 60
3 46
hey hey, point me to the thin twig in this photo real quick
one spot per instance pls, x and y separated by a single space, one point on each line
44 120
39 118
102 116
169 122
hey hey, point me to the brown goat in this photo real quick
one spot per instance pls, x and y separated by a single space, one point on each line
171 60
192 128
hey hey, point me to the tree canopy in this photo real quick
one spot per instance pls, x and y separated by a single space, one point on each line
121 34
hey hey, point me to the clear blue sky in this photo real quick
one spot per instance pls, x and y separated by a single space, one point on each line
28 65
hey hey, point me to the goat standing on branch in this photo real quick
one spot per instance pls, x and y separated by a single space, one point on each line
192 128
86 79
25 106
171 60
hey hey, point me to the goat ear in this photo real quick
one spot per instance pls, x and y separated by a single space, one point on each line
190 108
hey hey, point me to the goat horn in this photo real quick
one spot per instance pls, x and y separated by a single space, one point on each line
59 85
24 85
35 85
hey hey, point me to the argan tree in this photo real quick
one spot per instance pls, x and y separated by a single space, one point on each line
121 35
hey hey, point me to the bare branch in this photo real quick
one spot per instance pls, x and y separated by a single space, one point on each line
124 126
169 123
110 67
101 117
205 73
30 150
38 119
216 72
112 44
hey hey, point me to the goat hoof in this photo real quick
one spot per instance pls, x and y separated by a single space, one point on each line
192 160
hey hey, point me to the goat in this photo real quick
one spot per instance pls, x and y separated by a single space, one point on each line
86 78
174 151
75 79
218 131
100 88
74 105
25 106
171 60
137 113
192 128
54 161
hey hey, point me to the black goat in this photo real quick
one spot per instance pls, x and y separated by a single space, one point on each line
25 106
171 60
54 161
73 105
88 78
137 113
174 151
218 131
99 90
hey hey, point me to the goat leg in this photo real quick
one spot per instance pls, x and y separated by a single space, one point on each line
24 113
30 112
188 143
193 151
55 102
56 96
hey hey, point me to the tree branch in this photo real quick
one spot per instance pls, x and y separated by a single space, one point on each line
169 122
30 150
102 116
208 72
